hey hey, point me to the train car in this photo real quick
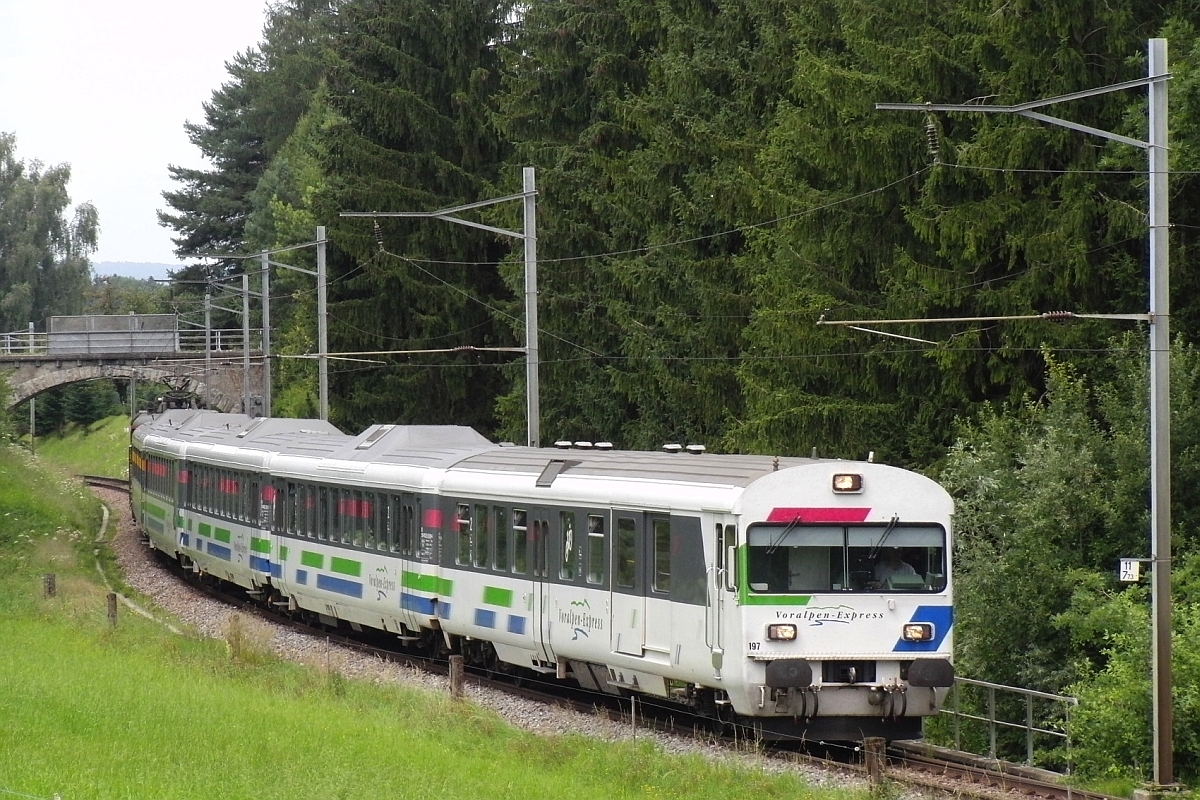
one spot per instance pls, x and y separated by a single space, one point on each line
804 598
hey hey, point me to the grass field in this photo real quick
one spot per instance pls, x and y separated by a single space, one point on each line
91 711
98 449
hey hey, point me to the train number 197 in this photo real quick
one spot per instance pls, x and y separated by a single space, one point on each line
755 645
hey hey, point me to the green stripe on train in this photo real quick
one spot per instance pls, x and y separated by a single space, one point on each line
346 566
310 559
283 553
745 598
205 529
156 511
495 596
427 583
260 545
222 535
776 600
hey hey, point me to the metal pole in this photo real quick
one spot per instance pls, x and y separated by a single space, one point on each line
991 712
207 349
266 334
1160 355
1029 730
532 400
322 329
245 342
1160 425
133 409
32 422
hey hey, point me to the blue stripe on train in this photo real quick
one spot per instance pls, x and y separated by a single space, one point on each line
220 551
421 605
260 564
941 617
340 585
516 625
485 618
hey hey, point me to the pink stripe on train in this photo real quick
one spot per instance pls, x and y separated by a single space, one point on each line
818 515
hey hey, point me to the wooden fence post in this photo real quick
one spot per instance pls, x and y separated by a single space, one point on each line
112 609
456 676
874 754
48 587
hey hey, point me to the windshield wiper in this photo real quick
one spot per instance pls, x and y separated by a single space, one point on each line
891 526
773 546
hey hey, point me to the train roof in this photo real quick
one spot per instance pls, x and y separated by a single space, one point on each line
459 449
547 464
299 436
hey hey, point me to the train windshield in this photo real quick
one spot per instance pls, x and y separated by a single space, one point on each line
893 557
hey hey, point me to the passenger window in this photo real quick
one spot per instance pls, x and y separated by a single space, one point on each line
463 524
596 564
481 536
626 552
566 521
369 523
520 543
290 524
323 531
501 562
662 554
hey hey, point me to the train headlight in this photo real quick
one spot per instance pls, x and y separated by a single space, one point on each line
781 633
917 632
847 482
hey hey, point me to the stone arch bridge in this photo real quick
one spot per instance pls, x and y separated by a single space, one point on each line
30 375
142 347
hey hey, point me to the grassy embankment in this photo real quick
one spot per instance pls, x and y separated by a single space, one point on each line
90 711
98 449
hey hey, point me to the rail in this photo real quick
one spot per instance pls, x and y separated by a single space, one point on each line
994 723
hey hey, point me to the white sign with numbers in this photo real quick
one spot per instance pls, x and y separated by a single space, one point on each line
1131 569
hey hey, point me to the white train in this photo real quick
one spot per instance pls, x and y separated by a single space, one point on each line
803 597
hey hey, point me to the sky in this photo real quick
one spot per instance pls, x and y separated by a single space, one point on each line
106 86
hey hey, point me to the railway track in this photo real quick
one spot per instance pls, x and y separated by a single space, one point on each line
909 763
935 767
103 482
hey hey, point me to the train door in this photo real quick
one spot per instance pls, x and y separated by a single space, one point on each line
628 594
410 546
542 538
720 584
658 595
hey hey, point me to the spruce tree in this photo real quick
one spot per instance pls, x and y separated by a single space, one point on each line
642 118
412 86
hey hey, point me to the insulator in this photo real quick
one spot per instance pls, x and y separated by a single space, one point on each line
931 139
378 235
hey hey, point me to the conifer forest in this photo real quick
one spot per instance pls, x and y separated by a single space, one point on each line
714 178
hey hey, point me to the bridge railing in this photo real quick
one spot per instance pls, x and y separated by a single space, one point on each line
24 343
222 340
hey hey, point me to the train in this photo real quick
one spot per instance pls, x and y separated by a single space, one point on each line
801 598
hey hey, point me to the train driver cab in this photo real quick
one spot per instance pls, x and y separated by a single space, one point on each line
846 558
